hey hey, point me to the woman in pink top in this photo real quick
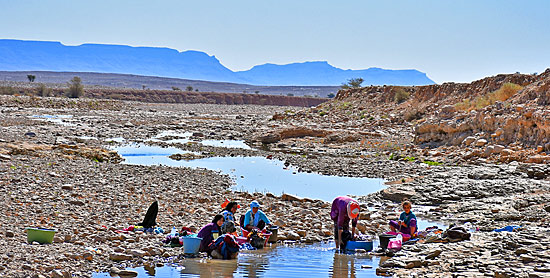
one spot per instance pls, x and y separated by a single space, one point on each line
343 210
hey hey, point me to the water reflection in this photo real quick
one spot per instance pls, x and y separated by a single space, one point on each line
173 137
314 260
258 174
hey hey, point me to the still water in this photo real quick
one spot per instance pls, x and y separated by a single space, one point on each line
281 260
313 260
186 137
258 174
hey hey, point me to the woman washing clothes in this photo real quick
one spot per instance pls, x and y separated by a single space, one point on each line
255 218
407 221
206 233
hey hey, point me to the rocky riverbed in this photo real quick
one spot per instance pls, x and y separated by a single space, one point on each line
59 172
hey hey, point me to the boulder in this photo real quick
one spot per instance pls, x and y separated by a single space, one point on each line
397 194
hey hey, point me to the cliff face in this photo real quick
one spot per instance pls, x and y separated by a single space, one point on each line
523 119
504 117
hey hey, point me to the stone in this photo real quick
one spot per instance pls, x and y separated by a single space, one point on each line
526 258
9 234
138 253
4 157
468 140
128 273
393 263
67 186
521 251
397 194
292 235
114 270
119 257
76 202
56 274
480 143
538 159
289 197
433 254
280 223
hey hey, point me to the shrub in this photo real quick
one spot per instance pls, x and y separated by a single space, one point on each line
44 91
400 95
506 91
176 88
7 90
75 87
31 77
352 83
331 95
189 88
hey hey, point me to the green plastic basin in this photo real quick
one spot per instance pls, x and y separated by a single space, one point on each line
40 235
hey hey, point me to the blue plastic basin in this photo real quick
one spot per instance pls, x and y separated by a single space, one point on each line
191 245
366 245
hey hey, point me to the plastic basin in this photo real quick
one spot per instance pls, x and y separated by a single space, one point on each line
385 239
40 235
191 245
366 245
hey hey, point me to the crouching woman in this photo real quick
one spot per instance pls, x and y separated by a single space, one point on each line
206 233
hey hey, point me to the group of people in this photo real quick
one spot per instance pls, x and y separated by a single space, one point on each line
345 209
218 237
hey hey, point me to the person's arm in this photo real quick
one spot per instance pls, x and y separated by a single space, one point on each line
413 230
264 218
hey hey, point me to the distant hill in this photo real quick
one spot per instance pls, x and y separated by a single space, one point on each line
18 55
130 81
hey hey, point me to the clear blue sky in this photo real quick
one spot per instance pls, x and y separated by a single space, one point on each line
450 40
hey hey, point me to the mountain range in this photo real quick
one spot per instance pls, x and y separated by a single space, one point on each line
19 55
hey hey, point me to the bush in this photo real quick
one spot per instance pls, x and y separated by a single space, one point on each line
331 95
400 95
75 87
44 91
352 83
506 91
8 90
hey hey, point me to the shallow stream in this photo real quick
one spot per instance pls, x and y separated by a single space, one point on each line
258 174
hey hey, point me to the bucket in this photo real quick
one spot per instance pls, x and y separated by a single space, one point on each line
191 245
40 235
366 245
384 240
273 237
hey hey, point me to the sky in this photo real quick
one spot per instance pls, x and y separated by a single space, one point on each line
450 40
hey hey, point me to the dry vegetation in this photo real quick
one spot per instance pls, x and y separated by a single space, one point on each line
506 91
